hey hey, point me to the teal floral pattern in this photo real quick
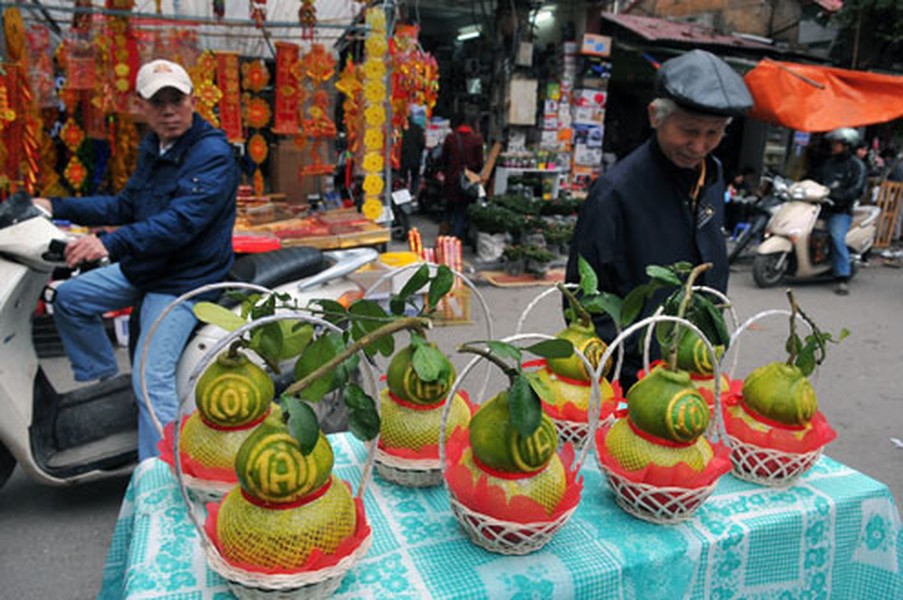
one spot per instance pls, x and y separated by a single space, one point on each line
835 533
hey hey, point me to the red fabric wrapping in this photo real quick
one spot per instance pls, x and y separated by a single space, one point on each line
680 475
317 559
813 436
568 411
488 499
189 465
430 451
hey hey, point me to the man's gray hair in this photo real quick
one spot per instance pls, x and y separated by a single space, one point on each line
662 108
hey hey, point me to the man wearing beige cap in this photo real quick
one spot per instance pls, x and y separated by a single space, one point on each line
173 233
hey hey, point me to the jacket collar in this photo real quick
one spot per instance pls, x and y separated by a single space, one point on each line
177 151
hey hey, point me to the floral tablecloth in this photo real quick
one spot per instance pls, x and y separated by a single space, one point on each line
835 534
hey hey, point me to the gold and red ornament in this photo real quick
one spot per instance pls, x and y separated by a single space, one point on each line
123 56
316 67
72 135
256 112
318 64
227 78
349 84
374 91
75 173
285 105
124 146
254 76
205 89
257 149
307 16
41 71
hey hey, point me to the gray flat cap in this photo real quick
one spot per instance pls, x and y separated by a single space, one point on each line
701 82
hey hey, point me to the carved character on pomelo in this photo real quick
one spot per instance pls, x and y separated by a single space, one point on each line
233 391
780 392
404 382
585 340
498 445
666 404
693 356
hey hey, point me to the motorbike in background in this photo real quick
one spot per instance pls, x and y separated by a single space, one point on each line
776 193
90 432
797 243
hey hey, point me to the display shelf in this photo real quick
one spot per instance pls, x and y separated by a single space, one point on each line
503 173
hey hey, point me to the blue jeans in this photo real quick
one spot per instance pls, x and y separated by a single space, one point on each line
77 310
838 226
456 215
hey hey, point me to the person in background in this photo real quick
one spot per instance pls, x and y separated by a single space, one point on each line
174 222
413 142
664 202
845 175
462 148
741 185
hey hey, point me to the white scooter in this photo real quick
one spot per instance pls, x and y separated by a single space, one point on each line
797 243
91 432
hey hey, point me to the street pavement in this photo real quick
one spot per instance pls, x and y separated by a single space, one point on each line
53 542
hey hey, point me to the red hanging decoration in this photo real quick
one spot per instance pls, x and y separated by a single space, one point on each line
285 106
307 15
259 12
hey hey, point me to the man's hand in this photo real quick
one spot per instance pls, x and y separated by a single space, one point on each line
84 249
44 204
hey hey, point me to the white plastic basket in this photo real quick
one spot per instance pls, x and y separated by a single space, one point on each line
245 584
663 505
508 537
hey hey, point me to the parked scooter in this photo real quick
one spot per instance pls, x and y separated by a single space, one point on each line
91 432
797 243
762 209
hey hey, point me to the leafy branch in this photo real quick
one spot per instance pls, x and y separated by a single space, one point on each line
808 353
525 389
682 311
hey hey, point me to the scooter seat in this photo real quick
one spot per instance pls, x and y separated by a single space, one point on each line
274 268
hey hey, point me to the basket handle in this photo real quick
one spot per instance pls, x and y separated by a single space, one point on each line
535 302
738 333
595 399
142 363
211 354
735 320
484 306
720 431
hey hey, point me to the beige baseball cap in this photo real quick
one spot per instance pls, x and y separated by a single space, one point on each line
159 74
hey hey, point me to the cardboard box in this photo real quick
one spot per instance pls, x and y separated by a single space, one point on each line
285 160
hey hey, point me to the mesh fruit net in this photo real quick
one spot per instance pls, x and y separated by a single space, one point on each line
207 453
412 431
258 538
641 460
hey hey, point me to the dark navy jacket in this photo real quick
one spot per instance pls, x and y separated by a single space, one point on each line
174 216
639 214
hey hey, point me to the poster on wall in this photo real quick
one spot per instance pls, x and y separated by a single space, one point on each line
522 104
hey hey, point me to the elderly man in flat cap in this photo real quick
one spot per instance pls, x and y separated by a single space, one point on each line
174 223
664 202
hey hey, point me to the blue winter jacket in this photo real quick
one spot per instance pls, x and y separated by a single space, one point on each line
174 216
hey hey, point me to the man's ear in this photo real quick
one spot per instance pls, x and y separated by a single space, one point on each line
653 121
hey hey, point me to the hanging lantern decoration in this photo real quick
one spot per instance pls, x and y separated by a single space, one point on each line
285 105
256 114
258 11
227 79
349 84
374 89
307 15
317 67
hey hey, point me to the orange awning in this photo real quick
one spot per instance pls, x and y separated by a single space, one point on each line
813 98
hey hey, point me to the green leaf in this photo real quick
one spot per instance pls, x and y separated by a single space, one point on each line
720 336
552 348
524 407
843 334
321 350
267 341
440 285
370 316
794 344
333 311
363 420
214 314
589 281
540 386
429 363
302 423
805 360
663 275
396 305
633 304
504 350
413 285
604 303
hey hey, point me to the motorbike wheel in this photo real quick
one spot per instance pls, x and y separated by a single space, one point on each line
7 464
769 269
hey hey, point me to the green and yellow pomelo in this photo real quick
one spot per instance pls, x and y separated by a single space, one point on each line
546 487
666 404
211 447
233 391
270 465
694 356
634 452
404 382
498 445
780 392
586 341
254 535
403 427
577 395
